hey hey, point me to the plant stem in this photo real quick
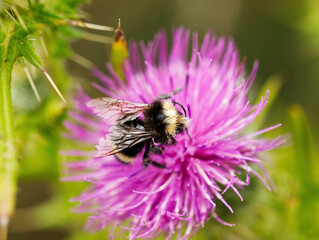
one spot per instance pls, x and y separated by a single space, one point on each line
8 161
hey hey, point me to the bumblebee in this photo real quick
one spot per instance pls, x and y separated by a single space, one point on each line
138 126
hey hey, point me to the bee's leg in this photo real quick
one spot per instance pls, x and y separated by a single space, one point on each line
155 149
146 158
174 142
169 95
159 165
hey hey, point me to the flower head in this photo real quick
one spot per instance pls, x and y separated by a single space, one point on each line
219 156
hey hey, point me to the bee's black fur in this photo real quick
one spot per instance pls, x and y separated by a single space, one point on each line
134 150
180 128
154 121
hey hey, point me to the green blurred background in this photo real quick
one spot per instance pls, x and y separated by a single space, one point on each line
283 35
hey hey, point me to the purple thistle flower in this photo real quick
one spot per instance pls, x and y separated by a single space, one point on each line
179 199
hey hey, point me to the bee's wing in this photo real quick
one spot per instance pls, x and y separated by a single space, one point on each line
114 109
121 137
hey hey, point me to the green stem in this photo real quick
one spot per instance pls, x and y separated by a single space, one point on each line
8 161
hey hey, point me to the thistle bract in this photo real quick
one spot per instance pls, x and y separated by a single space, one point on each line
219 156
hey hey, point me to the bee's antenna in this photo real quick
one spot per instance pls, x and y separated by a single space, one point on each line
185 116
190 138
181 107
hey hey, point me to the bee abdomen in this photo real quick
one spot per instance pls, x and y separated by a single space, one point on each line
129 154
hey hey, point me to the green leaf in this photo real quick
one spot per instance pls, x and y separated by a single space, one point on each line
305 172
26 50
42 14
303 143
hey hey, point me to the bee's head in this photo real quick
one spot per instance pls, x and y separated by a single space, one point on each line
182 123
164 120
175 120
